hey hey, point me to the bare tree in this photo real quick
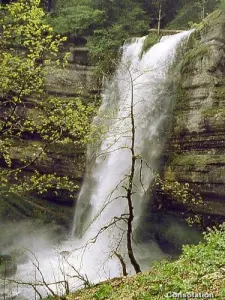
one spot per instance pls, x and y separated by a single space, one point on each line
201 4
160 14
122 262
129 189
127 183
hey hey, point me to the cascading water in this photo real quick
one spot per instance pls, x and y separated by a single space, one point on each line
145 81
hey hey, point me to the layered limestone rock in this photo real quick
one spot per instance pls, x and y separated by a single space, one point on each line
76 79
196 147
76 76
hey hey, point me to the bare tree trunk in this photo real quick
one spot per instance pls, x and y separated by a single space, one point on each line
127 217
122 262
159 17
202 5
203 9
130 187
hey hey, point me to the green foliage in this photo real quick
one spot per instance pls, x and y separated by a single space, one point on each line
200 269
103 46
106 24
104 292
194 158
105 41
196 26
27 45
40 184
51 298
221 4
191 11
149 41
197 52
184 15
215 19
22 27
61 120
180 193
76 17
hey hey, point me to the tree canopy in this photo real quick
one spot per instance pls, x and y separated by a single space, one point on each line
106 24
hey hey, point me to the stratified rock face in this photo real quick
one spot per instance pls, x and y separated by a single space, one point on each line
196 147
76 79
76 76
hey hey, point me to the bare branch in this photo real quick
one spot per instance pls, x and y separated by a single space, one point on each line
122 263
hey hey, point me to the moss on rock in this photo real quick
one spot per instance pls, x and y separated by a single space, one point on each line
150 41
194 158
195 54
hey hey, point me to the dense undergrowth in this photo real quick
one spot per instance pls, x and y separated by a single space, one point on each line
200 270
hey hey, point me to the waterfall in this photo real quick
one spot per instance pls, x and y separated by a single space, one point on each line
149 82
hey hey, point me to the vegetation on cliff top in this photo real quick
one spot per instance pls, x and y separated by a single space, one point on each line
106 24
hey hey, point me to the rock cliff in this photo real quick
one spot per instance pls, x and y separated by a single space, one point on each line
76 79
78 74
196 146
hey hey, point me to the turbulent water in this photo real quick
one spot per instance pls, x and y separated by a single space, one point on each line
149 83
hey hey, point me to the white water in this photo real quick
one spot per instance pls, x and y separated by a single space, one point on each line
153 93
101 198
